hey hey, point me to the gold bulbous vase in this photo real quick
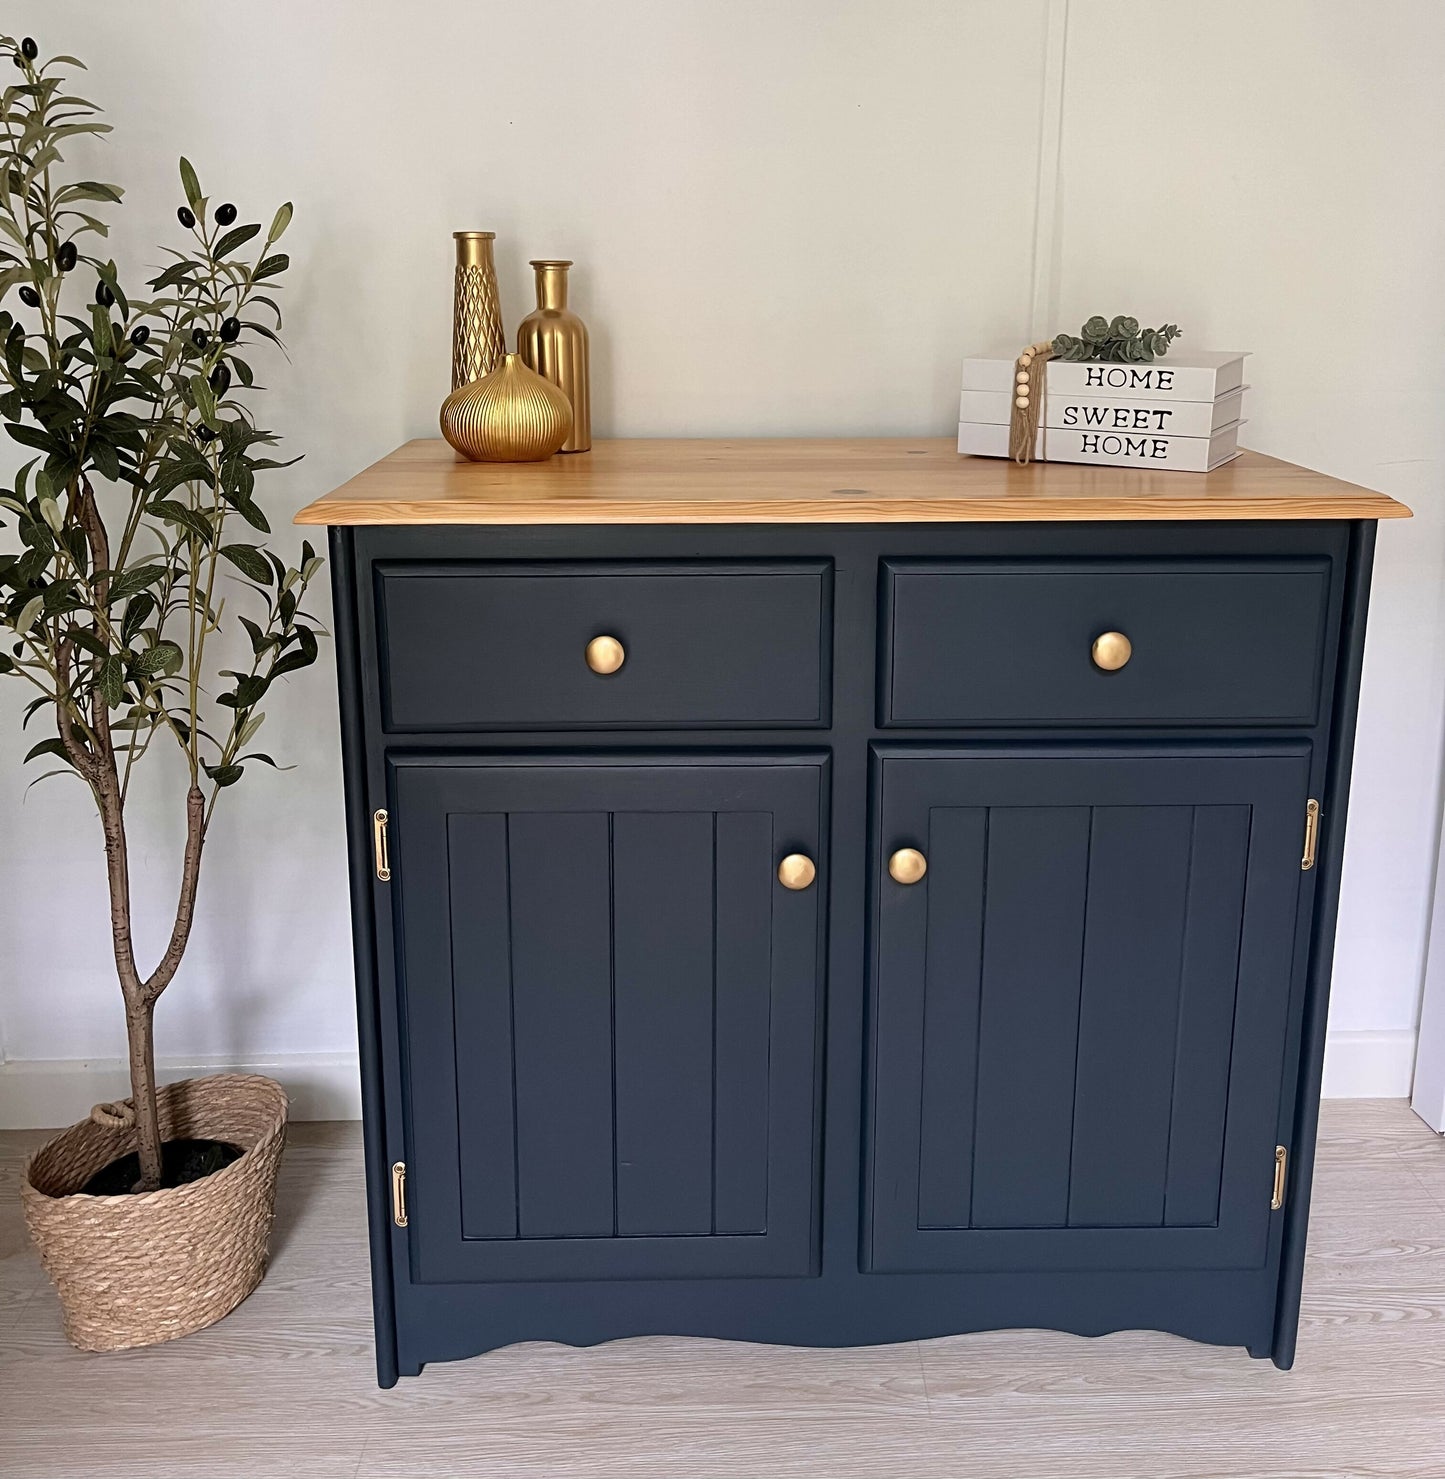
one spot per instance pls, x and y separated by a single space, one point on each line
511 415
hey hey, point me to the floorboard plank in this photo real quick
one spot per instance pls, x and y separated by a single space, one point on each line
284 1386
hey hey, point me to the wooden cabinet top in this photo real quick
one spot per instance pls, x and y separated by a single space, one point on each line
798 481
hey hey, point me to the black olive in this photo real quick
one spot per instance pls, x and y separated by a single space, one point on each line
221 379
139 335
186 217
231 330
65 258
204 433
29 47
199 338
103 294
225 214
30 296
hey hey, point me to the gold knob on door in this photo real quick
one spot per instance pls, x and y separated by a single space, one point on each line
797 870
1111 651
907 865
605 654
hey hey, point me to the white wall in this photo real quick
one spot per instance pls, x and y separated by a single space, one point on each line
793 216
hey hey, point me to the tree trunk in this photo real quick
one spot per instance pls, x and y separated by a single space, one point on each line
141 1042
98 767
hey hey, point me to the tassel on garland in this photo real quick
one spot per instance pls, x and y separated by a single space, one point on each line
1028 400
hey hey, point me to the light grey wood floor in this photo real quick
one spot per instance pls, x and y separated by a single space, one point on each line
284 1386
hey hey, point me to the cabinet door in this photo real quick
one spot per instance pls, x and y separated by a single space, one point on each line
1079 1011
610 1007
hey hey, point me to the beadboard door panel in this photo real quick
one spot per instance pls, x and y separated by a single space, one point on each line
611 1006
1079 1013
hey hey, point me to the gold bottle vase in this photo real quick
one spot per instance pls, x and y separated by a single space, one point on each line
478 340
552 340
511 415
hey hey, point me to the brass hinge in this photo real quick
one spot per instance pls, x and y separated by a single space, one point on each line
379 847
1312 834
398 1193
1281 1161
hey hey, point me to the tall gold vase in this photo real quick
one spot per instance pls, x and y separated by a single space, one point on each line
553 342
478 340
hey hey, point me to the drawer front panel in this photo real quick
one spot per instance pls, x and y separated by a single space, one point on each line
1005 641
504 646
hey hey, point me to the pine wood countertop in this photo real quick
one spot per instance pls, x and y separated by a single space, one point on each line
797 481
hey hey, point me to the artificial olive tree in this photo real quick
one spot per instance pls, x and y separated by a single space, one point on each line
131 524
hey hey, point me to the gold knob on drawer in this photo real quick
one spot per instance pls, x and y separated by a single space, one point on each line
605 654
797 870
907 865
1111 651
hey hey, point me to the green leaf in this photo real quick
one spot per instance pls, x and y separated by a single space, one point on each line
189 183
46 747
279 223
111 681
237 236
271 266
137 578
164 657
89 190
249 560
138 608
174 512
32 436
50 512
225 775
249 728
28 612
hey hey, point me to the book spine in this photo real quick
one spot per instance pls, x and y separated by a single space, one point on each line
1142 382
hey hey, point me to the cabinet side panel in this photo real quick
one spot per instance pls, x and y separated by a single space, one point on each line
1208 984
743 1001
363 926
1335 805
563 1012
957 844
1134 934
662 888
482 1013
1038 863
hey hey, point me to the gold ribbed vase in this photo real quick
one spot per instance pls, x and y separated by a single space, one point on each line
552 340
511 415
478 340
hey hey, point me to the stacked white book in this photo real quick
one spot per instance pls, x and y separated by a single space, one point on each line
1181 413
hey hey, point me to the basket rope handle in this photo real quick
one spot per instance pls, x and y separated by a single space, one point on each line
117 1116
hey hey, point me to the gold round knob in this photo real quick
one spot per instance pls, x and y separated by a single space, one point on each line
605 654
1111 651
797 870
907 865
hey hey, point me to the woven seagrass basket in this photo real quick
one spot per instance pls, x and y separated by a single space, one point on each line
137 1270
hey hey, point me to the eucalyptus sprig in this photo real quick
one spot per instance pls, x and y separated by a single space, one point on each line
1119 339
137 512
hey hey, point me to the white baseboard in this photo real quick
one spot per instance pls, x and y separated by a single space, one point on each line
45 1095
327 1086
1369 1065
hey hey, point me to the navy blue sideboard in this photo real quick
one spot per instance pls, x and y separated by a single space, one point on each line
834 893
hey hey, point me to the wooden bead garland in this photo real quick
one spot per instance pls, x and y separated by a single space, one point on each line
1028 400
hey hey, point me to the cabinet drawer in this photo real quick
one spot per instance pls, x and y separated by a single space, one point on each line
505 646
1002 641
